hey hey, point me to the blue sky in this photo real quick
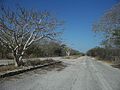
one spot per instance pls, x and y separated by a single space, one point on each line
79 15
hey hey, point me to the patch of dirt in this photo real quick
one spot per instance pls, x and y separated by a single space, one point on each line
72 57
57 67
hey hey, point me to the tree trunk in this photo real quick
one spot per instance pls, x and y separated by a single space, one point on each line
18 60
68 53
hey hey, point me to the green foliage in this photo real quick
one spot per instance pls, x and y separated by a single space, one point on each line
96 52
75 52
44 48
49 49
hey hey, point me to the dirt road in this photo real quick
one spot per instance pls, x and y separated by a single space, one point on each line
84 73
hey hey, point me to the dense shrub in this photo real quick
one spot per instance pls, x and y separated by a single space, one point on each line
111 54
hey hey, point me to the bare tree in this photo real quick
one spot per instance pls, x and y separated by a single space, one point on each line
66 49
109 26
21 27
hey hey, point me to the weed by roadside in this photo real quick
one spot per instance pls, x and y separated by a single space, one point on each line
28 63
6 68
37 62
110 62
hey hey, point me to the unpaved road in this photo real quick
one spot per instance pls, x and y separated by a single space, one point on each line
84 73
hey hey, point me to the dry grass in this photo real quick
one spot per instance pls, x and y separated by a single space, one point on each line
8 68
37 62
26 64
109 62
106 61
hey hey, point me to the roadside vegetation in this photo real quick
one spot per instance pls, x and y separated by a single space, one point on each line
45 48
27 64
28 33
110 55
108 27
73 56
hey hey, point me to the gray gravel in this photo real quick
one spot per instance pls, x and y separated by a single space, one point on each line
84 73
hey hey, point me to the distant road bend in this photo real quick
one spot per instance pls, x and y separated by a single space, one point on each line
84 73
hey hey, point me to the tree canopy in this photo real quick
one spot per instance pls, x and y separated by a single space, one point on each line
21 27
109 26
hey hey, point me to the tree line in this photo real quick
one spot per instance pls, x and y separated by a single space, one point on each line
108 54
42 49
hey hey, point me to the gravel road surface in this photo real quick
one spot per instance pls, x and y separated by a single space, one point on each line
84 73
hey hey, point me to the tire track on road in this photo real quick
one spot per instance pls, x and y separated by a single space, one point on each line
102 80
